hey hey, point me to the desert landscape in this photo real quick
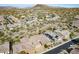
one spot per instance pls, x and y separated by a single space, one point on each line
37 29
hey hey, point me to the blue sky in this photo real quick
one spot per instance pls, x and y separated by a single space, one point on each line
30 5
66 5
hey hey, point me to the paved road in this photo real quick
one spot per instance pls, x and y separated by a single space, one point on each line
59 48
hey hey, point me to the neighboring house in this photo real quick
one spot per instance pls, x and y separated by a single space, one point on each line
65 33
55 36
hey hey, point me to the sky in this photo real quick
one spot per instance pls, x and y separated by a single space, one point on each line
30 5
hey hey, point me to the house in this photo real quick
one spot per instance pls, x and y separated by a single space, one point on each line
65 33
55 36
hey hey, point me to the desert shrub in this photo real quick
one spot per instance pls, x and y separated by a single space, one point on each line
72 35
64 39
45 45
23 52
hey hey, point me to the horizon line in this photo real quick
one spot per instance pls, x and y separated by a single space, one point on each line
31 5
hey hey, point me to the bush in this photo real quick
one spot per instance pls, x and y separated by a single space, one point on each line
46 46
23 52
64 39
72 35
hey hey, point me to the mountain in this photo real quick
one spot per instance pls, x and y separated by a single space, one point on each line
45 6
41 6
7 7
